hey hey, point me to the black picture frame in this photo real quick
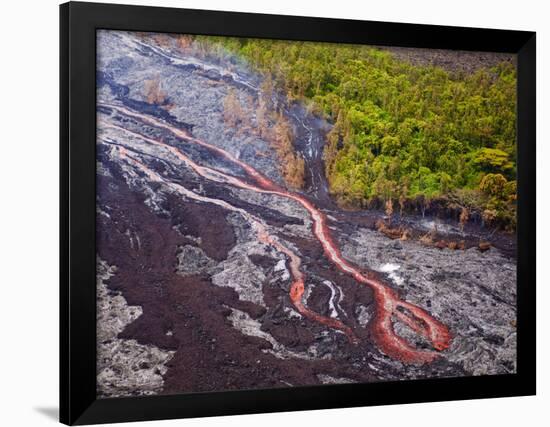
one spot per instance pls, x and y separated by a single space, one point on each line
78 25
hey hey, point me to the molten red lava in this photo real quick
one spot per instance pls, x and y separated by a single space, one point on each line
297 286
387 301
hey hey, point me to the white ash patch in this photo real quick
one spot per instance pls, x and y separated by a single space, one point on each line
332 303
291 313
391 269
124 367
328 379
281 267
362 315
307 292
341 296
196 240
101 212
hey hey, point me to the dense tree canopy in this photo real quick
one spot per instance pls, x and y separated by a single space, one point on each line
401 131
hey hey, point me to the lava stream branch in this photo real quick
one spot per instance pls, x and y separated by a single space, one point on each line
386 299
298 284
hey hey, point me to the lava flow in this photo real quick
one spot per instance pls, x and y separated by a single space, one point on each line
388 303
297 286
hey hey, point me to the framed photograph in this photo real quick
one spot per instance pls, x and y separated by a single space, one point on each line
268 213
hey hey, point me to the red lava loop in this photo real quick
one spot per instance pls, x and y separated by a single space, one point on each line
386 299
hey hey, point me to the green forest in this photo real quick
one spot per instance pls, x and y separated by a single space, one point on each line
405 134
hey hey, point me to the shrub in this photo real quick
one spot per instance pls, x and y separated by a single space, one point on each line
153 92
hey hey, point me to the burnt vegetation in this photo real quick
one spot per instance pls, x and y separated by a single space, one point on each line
269 124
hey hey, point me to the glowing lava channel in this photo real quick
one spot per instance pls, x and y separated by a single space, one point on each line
297 287
386 299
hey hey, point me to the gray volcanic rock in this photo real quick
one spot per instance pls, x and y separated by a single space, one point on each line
124 367
192 260
474 293
195 97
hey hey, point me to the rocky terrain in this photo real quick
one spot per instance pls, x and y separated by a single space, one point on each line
457 61
212 275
